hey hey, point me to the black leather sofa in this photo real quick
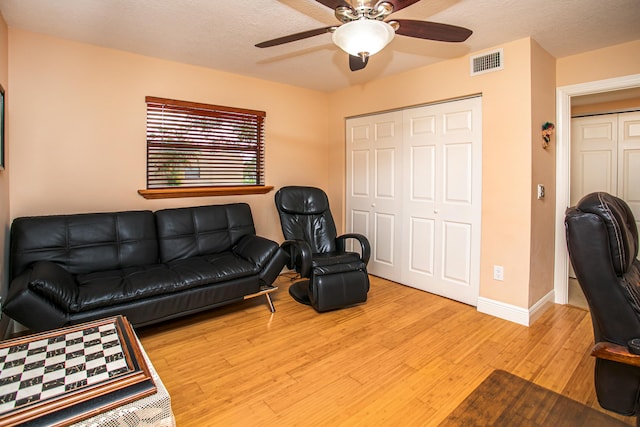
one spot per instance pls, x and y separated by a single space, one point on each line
149 267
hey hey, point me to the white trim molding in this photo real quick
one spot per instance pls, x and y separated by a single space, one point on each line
514 313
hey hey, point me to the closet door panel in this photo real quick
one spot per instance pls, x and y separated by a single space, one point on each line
360 173
596 172
385 172
631 182
629 164
359 224
372 199
457 171
420 229
593 156
631 176
442 145
456 252
423 166
457 120
422 246
384 237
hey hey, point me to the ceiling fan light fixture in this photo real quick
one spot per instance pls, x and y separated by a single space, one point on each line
363 37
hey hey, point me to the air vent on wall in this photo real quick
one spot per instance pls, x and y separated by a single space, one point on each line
487 62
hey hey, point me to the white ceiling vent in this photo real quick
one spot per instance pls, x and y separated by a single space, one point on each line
487 62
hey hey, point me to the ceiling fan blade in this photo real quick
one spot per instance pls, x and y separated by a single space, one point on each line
295 37
332 4
356 63
432 30
400 4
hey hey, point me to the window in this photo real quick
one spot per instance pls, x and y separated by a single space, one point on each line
195 146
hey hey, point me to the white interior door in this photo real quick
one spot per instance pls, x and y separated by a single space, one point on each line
605 156
441 209
373 187
413 188
594 154
629 161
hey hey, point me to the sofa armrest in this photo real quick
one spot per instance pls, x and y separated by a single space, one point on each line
300 255
54 283
615 353
365 247
41 297
256 249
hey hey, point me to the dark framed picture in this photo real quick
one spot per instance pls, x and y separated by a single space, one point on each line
1 127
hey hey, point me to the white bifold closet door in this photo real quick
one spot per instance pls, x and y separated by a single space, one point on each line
414 189
605 156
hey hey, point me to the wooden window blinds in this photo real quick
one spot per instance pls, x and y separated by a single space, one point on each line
201 145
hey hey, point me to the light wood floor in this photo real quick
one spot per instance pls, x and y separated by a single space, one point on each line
576 296
405 357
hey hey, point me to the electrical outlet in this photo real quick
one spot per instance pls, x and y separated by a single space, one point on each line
540 191
498 272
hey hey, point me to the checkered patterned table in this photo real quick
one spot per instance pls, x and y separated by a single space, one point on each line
50 367
55 371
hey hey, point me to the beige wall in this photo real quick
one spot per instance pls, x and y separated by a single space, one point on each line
506 151
604 107
78 127
543 172
4 175
615 61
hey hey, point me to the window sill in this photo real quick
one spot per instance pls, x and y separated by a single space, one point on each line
168 193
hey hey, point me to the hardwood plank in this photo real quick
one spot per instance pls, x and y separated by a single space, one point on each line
555 376
405 357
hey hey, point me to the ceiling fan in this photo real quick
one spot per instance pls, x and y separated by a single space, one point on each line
364 31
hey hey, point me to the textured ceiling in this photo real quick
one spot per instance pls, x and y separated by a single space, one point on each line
221 34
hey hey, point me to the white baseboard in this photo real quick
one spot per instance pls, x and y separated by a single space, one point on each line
514 313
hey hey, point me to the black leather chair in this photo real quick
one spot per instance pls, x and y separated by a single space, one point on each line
334 277
602 238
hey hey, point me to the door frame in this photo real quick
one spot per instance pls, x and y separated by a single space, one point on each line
563 167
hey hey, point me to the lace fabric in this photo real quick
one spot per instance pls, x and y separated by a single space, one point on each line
154 410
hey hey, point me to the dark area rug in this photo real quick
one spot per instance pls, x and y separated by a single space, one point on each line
504 399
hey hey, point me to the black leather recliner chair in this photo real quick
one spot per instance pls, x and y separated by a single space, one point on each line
602 238
335 278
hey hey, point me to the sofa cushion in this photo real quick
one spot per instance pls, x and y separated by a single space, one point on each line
106 288
203 230
82 243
